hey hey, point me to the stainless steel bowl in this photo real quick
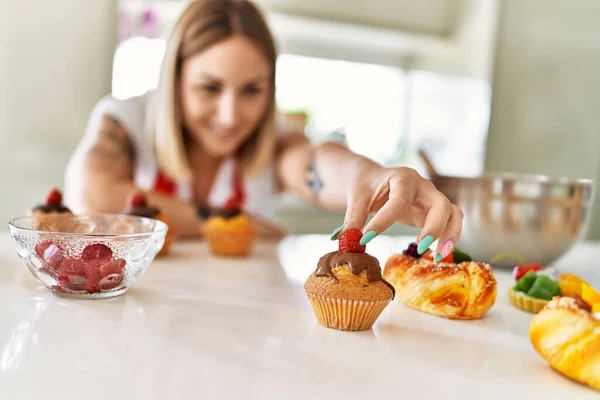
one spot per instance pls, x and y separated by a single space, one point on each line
534 217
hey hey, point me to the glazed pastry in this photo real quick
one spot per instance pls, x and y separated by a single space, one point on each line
347 291
47 215
465 290
567 335
137 205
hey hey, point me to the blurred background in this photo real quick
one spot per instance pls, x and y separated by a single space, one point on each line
481 85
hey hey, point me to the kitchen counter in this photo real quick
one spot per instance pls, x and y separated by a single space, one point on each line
200 327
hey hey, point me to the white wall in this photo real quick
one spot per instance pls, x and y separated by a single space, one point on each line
54 65
546 102
470 52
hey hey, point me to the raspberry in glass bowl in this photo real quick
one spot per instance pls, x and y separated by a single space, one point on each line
88 256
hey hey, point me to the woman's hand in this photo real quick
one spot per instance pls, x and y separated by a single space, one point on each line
332 177
401 195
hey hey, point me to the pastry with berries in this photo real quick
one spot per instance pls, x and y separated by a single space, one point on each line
454 288
228 230
347 290
137 205
535 286
46 215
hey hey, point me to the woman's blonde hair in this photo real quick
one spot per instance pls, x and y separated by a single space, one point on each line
203 24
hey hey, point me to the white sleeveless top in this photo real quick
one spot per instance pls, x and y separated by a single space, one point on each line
131 114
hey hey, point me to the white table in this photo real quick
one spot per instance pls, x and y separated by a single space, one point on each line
200 327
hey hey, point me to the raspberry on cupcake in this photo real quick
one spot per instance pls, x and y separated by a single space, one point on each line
137 205
228 230
46 215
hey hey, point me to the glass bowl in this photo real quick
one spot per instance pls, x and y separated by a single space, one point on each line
87 256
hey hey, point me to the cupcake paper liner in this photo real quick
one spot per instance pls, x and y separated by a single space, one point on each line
346 315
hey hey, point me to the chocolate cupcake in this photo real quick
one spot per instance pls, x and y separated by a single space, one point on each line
347 290
47 215
137 205
229 233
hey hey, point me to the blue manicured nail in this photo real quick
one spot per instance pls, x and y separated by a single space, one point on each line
367 237
424 244
335 233
437 258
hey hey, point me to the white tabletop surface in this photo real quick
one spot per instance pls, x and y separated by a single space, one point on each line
200 327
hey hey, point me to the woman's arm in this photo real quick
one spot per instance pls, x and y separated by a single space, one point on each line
334 178
320 175
99 178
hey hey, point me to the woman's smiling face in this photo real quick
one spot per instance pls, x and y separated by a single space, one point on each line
225 91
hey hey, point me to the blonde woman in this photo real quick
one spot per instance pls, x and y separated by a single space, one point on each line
212 119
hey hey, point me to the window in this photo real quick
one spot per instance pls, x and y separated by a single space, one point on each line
364 101
388 114
136 66
448 118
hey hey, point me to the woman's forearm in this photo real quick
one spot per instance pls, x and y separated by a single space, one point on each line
106 196
321 175
333 177
111 197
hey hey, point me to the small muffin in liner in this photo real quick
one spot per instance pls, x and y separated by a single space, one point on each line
347 291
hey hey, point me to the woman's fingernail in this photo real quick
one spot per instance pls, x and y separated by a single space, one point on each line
367 237
447 248
424 244
437 258
335 233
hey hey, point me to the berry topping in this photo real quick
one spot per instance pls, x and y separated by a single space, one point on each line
72 266
429 255
232 204
236 201
112 274
73 283
113 267
96 254
521 270
51 256
412 251
349 241
448 259
72 275
93 278
137 199
111 281
54 198
94 272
